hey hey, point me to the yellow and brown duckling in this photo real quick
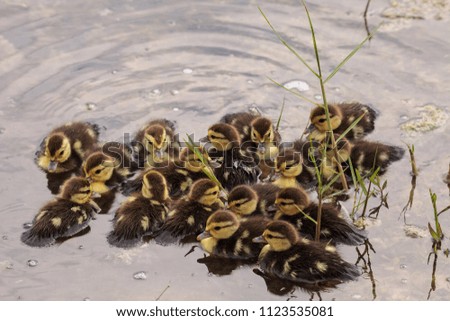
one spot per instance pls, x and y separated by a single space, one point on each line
63 217
180 174
237 167
189 214
290 257
107 168
142 213
65 147
252 200
341 117
295 207
155 143
226 236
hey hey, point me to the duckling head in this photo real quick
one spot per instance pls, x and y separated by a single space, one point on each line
221 224
154 186
242 200
99 167
292 200
319 120
224 137
290 163
262 132
205 192
280 235
77 189
57 149
343 147
191 159
155 140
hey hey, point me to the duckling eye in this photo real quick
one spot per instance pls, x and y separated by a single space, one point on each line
269 236
215 193
284 203
217 228
322 120
214 137
238 205
98 171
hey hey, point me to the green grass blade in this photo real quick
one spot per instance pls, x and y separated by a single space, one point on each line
306 215
351 54
331 182
294 92
281 114
286 44
313 34
349 128
361 182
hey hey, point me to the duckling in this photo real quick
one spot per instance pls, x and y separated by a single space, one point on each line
259 138
63 217
65 147
289 164
180 174
289 256
142 213
252 200
293 203
341 117
367 156
226 236
237 166
189 214
107 169
155 143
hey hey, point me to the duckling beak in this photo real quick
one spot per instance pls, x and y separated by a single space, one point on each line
259 239
261 148
95 206
214 163
89 179
309 129
272 207
159 153
203 235
204 139
52 166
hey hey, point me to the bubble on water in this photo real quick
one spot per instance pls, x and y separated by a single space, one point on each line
156 92
404 118
32 263
337 89
297 84
318 97
114 72
27 225
10 266
91 106
176 109
448 279
250 286
140 275
86 299
403 266
250 81
174 92
404 281
356 296
2 130
81 247
187 70
4 237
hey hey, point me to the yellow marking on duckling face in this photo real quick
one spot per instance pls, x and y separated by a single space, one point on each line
287 206
191 220
210 196
320 122
145 224
102 172
40 215
292 169
209 244
221 230
243 206
278 242
321 266
284 182
56 221
219 141
99 187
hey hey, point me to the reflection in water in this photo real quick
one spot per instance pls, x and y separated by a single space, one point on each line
414 174
85 231
223 266
283 287
364 257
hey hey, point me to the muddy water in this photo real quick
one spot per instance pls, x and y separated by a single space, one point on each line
119 63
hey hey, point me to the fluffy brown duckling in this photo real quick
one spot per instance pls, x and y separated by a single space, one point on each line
155 143
293 203
290 257
189 214
107 168
142 213
237 167
341 117
226 236
252 200
65 147
65 216
180 174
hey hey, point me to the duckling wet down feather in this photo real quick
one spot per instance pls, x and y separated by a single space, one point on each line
142 213
63 217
